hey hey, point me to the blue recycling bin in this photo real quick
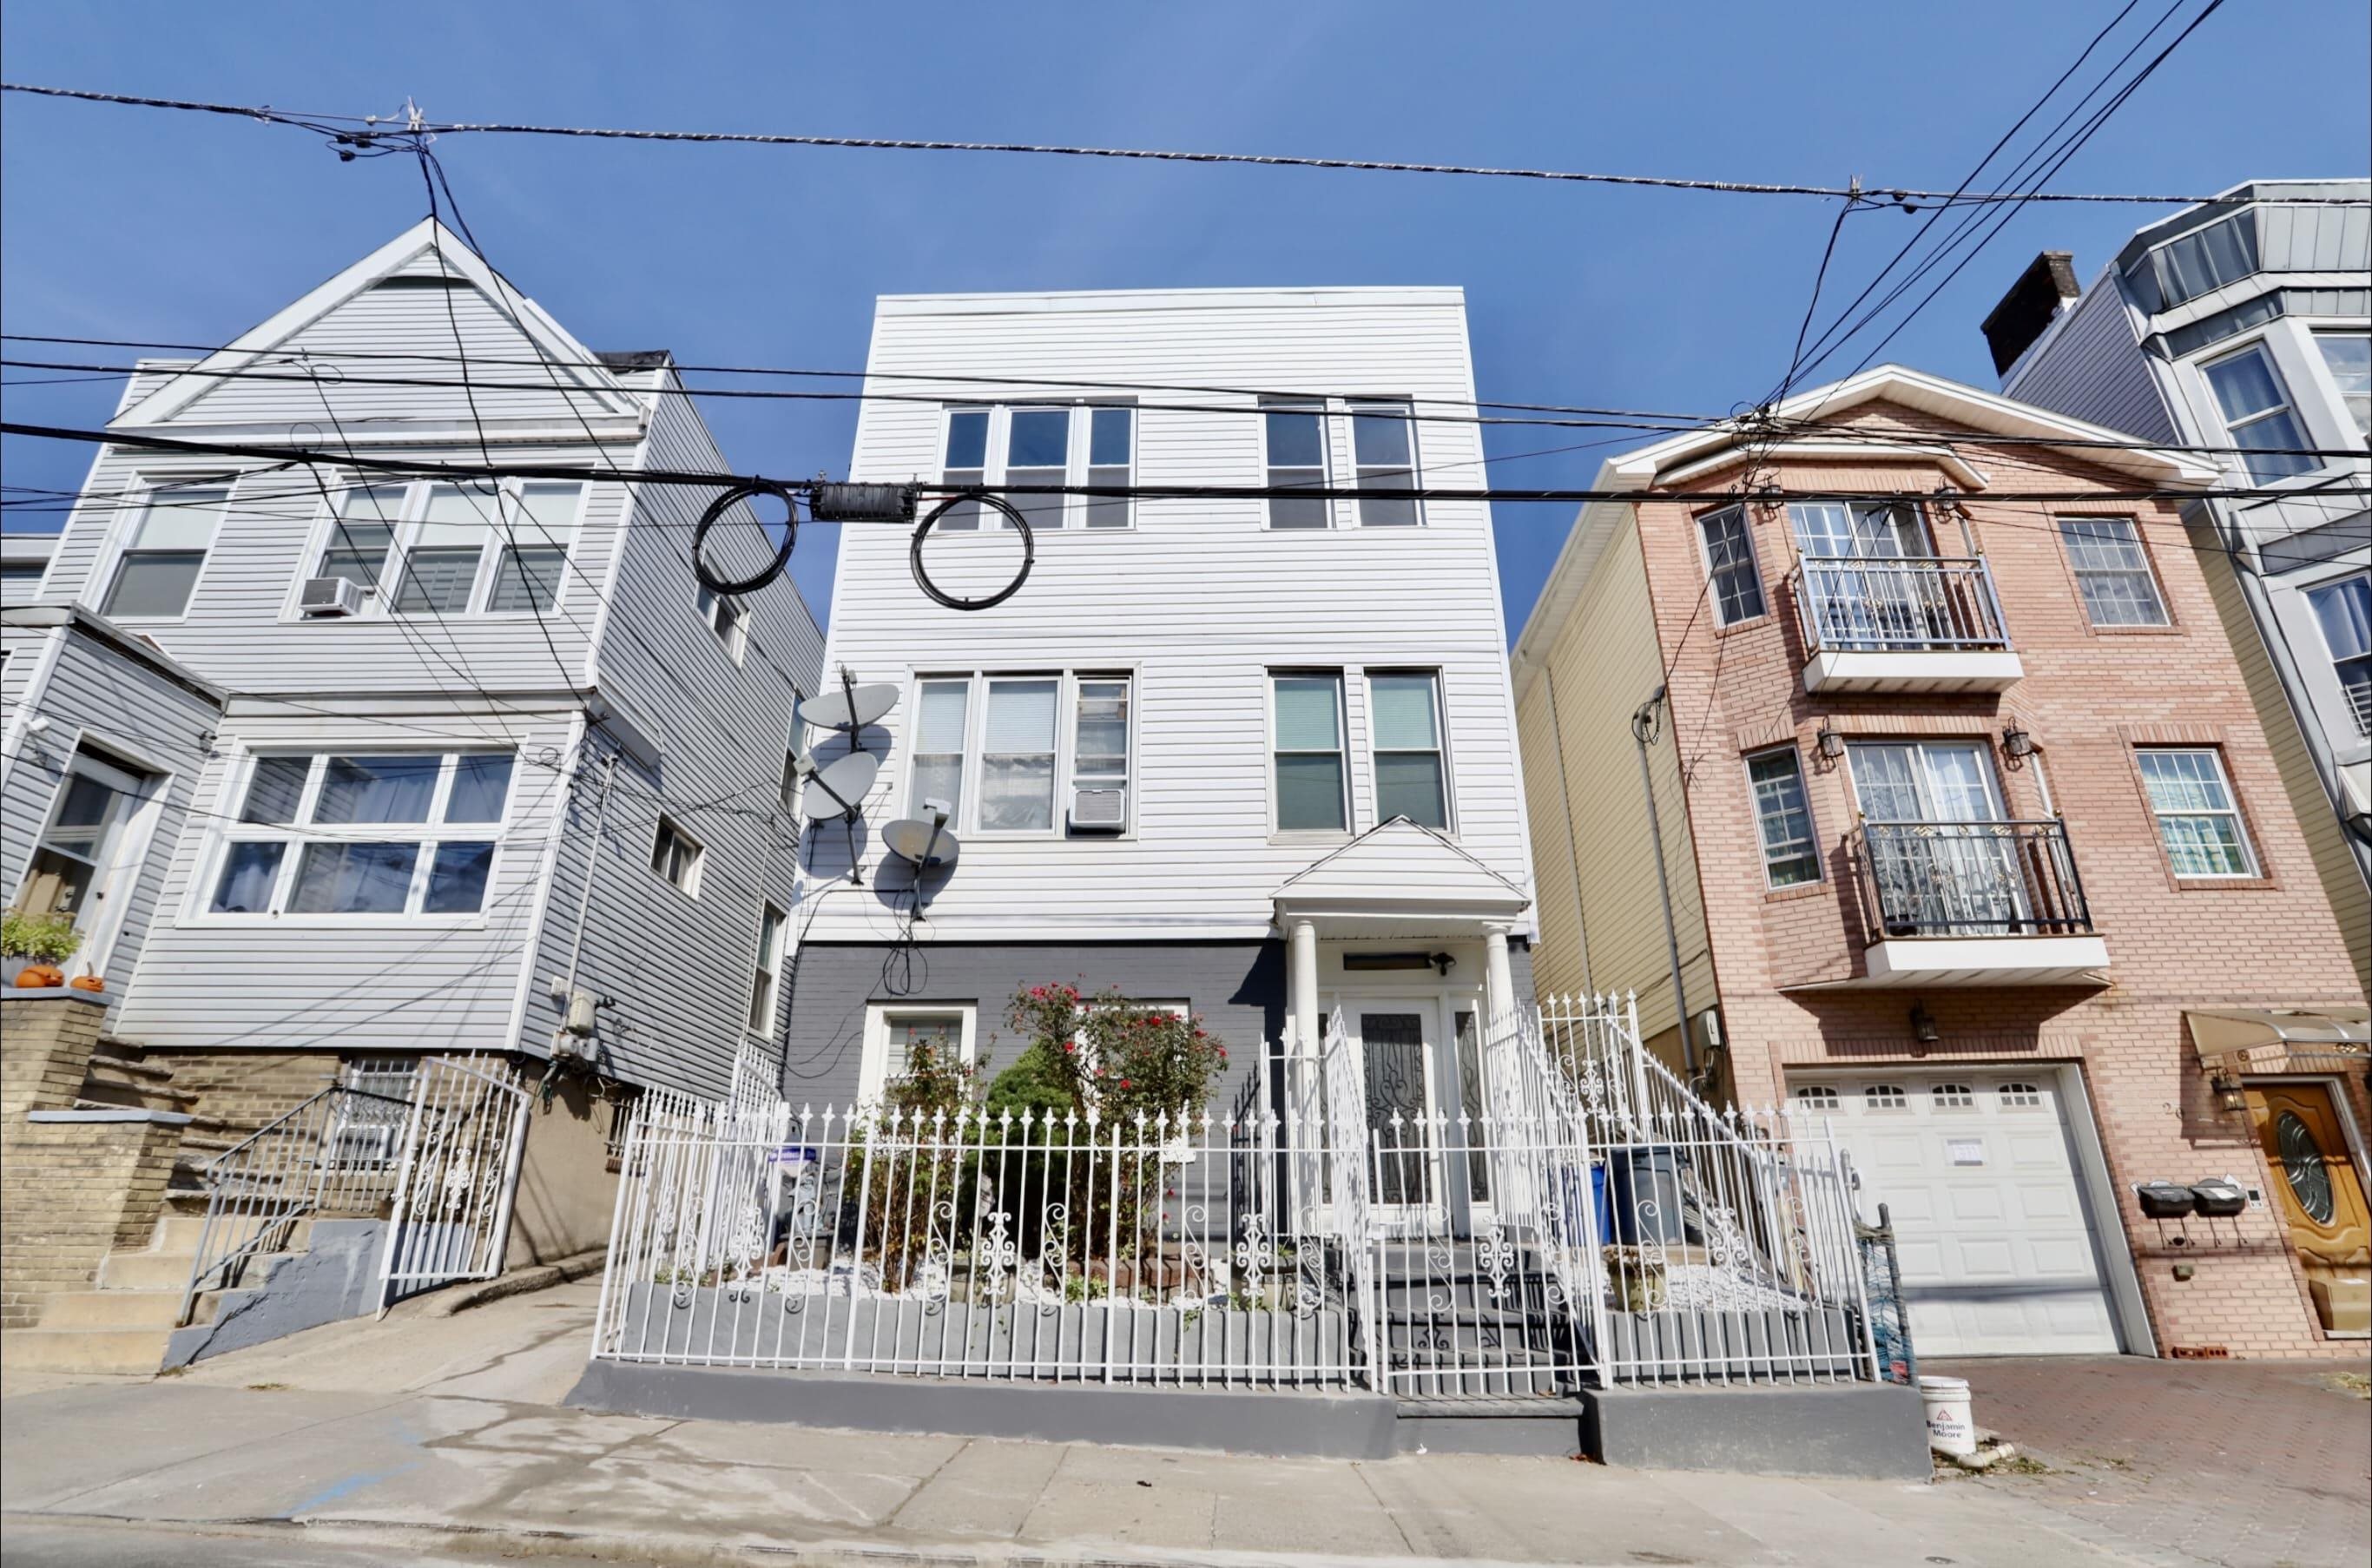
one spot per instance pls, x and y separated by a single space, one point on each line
1643 1186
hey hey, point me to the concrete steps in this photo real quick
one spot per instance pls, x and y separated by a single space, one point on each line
124 1308
85 1350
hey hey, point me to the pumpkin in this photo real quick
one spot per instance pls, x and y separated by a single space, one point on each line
35 977
88 983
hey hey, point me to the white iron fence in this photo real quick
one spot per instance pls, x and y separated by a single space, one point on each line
451 1215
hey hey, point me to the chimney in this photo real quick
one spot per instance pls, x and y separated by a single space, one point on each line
2046 287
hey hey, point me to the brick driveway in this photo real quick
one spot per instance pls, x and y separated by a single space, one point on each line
2249 1464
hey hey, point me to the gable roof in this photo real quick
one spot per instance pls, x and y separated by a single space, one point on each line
427 250
1679 458
1400 868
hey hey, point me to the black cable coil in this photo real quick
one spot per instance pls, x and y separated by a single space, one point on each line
922 531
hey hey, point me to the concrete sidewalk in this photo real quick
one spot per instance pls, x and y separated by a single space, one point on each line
423 1435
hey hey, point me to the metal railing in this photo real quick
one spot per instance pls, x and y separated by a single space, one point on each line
2359 702
449 1212
1898 604
1968 880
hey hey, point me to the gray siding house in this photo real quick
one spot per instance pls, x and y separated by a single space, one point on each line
2246 324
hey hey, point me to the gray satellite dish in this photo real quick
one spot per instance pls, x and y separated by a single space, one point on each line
836 790
853 707
928 844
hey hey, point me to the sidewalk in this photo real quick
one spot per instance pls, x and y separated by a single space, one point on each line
420 1433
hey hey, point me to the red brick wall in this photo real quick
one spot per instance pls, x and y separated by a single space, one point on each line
2087 696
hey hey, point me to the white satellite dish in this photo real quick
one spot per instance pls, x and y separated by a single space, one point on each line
851 707
837 790
925 840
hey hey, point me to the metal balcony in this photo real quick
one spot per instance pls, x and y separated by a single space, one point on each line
1902 623
1972 903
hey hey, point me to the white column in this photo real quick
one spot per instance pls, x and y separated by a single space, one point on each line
1301 987
1498 976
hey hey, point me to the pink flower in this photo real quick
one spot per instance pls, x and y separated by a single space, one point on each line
1070 1046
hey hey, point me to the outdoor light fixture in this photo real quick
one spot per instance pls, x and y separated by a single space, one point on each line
1831 744
1923 1024
2015 741
2229 1094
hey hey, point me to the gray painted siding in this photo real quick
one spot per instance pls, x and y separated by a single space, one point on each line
2093 368
679 968
2314 239
124 708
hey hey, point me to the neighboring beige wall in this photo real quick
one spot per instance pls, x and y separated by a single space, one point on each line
566 1193
1587 808
2342 881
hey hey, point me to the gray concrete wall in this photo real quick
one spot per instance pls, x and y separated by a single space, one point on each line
335 1278
1876 1431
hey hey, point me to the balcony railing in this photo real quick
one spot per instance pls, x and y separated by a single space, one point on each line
1969 879
2359 702
1902 604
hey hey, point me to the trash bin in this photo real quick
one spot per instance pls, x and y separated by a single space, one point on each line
1643 1187
1950 1428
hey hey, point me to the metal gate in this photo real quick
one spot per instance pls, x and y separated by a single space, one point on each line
452 1214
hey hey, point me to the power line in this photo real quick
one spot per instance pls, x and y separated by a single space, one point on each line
379 135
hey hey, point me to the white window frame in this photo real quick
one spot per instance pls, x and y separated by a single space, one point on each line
873 1062
1077 460
2261 346
1376 748
698 861
966 820
297 835
1283 402
727 615
1377 407
2079 572
1811 818
2317 331
379 600
766 963
2252 867
2326 678
1753 560
1342 679
138 497
114 880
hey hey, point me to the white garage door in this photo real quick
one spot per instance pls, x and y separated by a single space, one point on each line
1998 1249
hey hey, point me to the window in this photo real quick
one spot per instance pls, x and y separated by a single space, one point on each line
1410 779
966 465
400 834
1885 1096
448 544
434 539
891 1035
2348 356
541 523
2198 821
21 580
1017 756
1383 446
2257 413
2112 572
726 618
1111 448
1099 754
791 750
2344 610
1924 781
1294 432
361 534
675 855
769 969
1057 443
941 712
2021 1097
1038 451
1783 812
168 549
1310 796
1953 1096
1819 1098
1832 530
79 848
1730 562
2206 258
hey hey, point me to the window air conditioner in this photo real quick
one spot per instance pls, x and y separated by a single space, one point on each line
330 595
1100 808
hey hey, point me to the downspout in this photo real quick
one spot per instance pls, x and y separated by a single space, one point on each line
1572 839
592 864
1644 725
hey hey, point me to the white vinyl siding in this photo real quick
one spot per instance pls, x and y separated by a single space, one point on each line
2198 820
2112 572
1733 578
161 562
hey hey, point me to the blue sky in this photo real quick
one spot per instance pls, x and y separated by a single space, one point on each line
137 224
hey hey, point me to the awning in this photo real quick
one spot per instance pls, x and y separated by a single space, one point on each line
2265 1038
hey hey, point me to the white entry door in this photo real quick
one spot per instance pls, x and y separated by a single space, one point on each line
2000 1253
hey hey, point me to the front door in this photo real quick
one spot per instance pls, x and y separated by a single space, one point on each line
2315 1183
1396 1061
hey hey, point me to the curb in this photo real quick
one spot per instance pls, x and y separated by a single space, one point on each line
520 1281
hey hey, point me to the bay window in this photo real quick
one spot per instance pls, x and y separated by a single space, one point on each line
394 834
2257 413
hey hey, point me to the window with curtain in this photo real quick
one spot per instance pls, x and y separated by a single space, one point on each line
1383 444
398 833
1782 815
2344 610
1310 793
440 566
1737 586
1410 779
159 567
941 711
1017 755
542 524
2348 357
1293 432
2256 408
2112 572
2198 819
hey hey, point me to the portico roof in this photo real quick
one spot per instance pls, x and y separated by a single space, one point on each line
1399 879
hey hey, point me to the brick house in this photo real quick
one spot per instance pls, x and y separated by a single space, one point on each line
1974 845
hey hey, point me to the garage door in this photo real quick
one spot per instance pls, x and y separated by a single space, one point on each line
1998 1248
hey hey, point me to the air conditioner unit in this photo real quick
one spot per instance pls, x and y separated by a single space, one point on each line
1100 808
330 595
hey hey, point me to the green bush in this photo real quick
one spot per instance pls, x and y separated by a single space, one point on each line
44 938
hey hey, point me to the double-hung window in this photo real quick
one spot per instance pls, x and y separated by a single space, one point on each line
1112 461
1411 780
726 618
2198 820
894 1035
676 856
997 445
1017 754
1782 815
966 465
159 565
2112 572
1294 435
361 534
539 525
2256 408
763 984
942 725
2344 610
447 548
395 834
1038 451
1383 446
1027 753
1311 787
1099 753
792 747
453 550
2348 357
1734 583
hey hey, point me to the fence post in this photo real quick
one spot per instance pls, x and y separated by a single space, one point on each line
507 1202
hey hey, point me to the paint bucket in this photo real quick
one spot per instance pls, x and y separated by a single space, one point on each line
1951 1429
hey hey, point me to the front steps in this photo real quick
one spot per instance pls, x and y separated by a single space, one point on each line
127 1323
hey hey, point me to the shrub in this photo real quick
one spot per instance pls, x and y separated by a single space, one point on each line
44 938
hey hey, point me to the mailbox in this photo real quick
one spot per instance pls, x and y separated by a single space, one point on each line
2165 1200
2218 1197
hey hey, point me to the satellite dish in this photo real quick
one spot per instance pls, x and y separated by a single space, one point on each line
928 844
853 707
836 790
